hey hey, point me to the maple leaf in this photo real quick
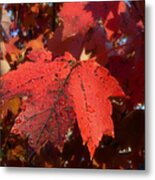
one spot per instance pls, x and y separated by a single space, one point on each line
102 9
75 19
91 85
55 93
105 11
46 110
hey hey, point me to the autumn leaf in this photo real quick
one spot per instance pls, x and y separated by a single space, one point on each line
47 112
75 19
4 67
35 44
91 86
11 105
61 110
102 12
55 93
17 153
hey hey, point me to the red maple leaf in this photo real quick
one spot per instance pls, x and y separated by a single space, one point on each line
90 86
75 19
55 93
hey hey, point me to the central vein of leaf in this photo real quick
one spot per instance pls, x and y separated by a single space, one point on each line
60 93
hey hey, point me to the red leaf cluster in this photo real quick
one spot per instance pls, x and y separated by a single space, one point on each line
68 62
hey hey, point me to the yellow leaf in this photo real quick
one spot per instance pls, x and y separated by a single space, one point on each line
4 67
85 56
36 43
12 105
